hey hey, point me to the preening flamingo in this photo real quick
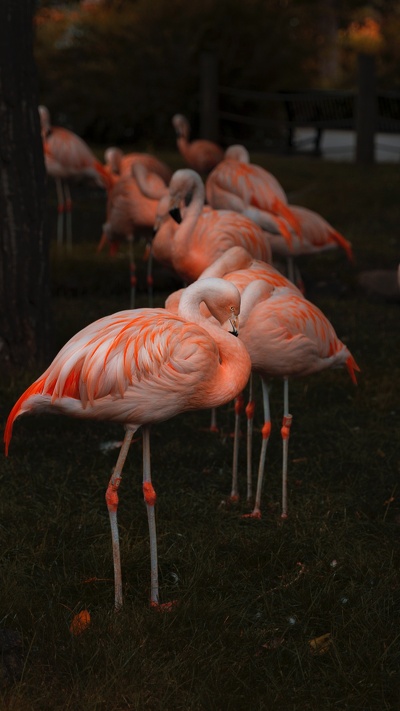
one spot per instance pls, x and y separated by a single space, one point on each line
68 157
236 184
204 234
142 367
286 336
119 165
200 155
294 230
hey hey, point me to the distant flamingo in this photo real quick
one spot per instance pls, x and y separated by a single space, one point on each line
294 230
131 207
68 157
119 165
236 184
200 155
142 367
286 336
204 234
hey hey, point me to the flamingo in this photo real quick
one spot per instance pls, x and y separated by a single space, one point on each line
200 155
204 234
286 336
68 157
294 230
141 367
239 267
120 165
132 205
237 184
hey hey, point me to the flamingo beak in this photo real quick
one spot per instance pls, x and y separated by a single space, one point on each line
176 214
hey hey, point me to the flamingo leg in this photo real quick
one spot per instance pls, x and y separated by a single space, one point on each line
150 500
60 211
238 409
250 417
213 423
68 215
266 431
112 505
285 433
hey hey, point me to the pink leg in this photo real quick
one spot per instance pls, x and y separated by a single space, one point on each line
149 278
112 505
150 500
266 431
213 423
238 410
285 433
250 418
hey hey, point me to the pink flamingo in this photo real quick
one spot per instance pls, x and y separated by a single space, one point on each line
286 336
294 230
203 234
68 157
142 367
200 155
239 267
133 204
236 184
119 165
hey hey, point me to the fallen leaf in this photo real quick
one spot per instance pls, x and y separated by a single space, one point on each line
80 623
320 645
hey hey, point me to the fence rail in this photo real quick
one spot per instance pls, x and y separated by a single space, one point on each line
273 117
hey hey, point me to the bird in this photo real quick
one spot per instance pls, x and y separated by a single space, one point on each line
286 336
204 233
119 165
67 158
239 267
140 367
293 230
201 155
237 184
129 210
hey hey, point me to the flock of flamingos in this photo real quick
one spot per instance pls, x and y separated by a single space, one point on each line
218 225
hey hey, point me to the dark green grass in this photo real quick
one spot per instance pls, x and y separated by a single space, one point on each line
251 594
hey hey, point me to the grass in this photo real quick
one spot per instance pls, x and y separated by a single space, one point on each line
251 594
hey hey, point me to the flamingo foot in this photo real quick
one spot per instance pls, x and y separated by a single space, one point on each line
163 607
284 515
254 514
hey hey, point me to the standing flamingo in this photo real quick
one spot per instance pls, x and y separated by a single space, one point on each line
286 336
120 165
141 367
200 155
68 157
294 230
132 205
204 234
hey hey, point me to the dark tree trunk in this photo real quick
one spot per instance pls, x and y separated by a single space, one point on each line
24 249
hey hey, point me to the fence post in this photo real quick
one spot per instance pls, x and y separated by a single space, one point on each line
209 96
366 109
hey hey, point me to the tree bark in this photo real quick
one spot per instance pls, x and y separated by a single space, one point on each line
24 248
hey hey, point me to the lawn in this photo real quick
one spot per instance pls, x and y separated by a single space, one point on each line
301 614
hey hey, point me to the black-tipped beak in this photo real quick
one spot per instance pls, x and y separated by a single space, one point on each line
234 332
176 215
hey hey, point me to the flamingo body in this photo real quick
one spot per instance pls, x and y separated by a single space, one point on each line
200 155
204 234
140 367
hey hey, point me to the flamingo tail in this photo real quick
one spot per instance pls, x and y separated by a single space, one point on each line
36 387
352 367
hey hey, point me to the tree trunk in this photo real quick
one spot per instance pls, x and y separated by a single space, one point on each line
24 249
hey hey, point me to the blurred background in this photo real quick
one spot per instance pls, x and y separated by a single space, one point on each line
115 71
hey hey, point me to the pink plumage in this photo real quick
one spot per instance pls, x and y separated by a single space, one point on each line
200 155
141 367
